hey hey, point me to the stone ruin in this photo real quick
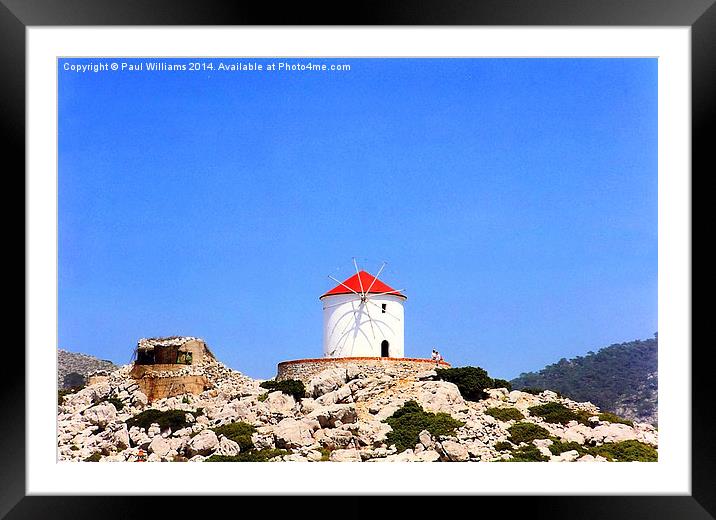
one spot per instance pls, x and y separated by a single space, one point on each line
171 366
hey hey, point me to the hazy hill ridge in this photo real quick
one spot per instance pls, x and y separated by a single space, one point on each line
621 378
73 368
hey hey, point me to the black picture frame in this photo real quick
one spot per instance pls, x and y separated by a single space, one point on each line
699 15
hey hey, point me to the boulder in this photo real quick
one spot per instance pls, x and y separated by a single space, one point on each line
279 403
139 438
204 443
334 438
326 381
314 456
497 393
292 433
344 394
307 405
161 446
263 438
542 443
567 456
351 455
139 399
329 416
454 451
574 434
439 396
615 432
427 456
426 439
121 437
101 415
227 447
369 433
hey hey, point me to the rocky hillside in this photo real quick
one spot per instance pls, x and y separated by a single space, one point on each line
621 378
73 368
346 415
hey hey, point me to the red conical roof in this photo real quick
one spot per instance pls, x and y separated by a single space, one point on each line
366 280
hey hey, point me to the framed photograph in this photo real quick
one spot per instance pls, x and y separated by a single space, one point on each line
525 171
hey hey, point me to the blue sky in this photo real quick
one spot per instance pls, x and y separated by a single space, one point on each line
515 201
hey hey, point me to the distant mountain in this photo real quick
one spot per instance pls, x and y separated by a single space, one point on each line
621 378
73 368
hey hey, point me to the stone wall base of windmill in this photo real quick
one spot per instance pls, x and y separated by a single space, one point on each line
305 369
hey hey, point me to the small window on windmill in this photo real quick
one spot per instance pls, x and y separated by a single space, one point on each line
184 358
383 306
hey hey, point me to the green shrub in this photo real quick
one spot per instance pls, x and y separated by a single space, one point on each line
626 451
262 397
501 383
503 445
505 414
292 387
613 418
239 432
526 432
527 454
94 457
557 413
325 454
174 419
185 399
250 456
408 421
471 381
557 447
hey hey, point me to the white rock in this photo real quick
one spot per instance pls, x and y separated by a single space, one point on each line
334 439
328 416
427 456
280 403
454 451
160 446
228 447
426 439
121 439
292 433
138 437
344 394
101 415
204 443
307 405
326 381
439 396
350 455
613 433
262 440
567 456
542 443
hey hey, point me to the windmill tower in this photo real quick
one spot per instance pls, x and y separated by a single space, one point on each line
363 317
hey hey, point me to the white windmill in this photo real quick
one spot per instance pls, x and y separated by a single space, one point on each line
363 317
